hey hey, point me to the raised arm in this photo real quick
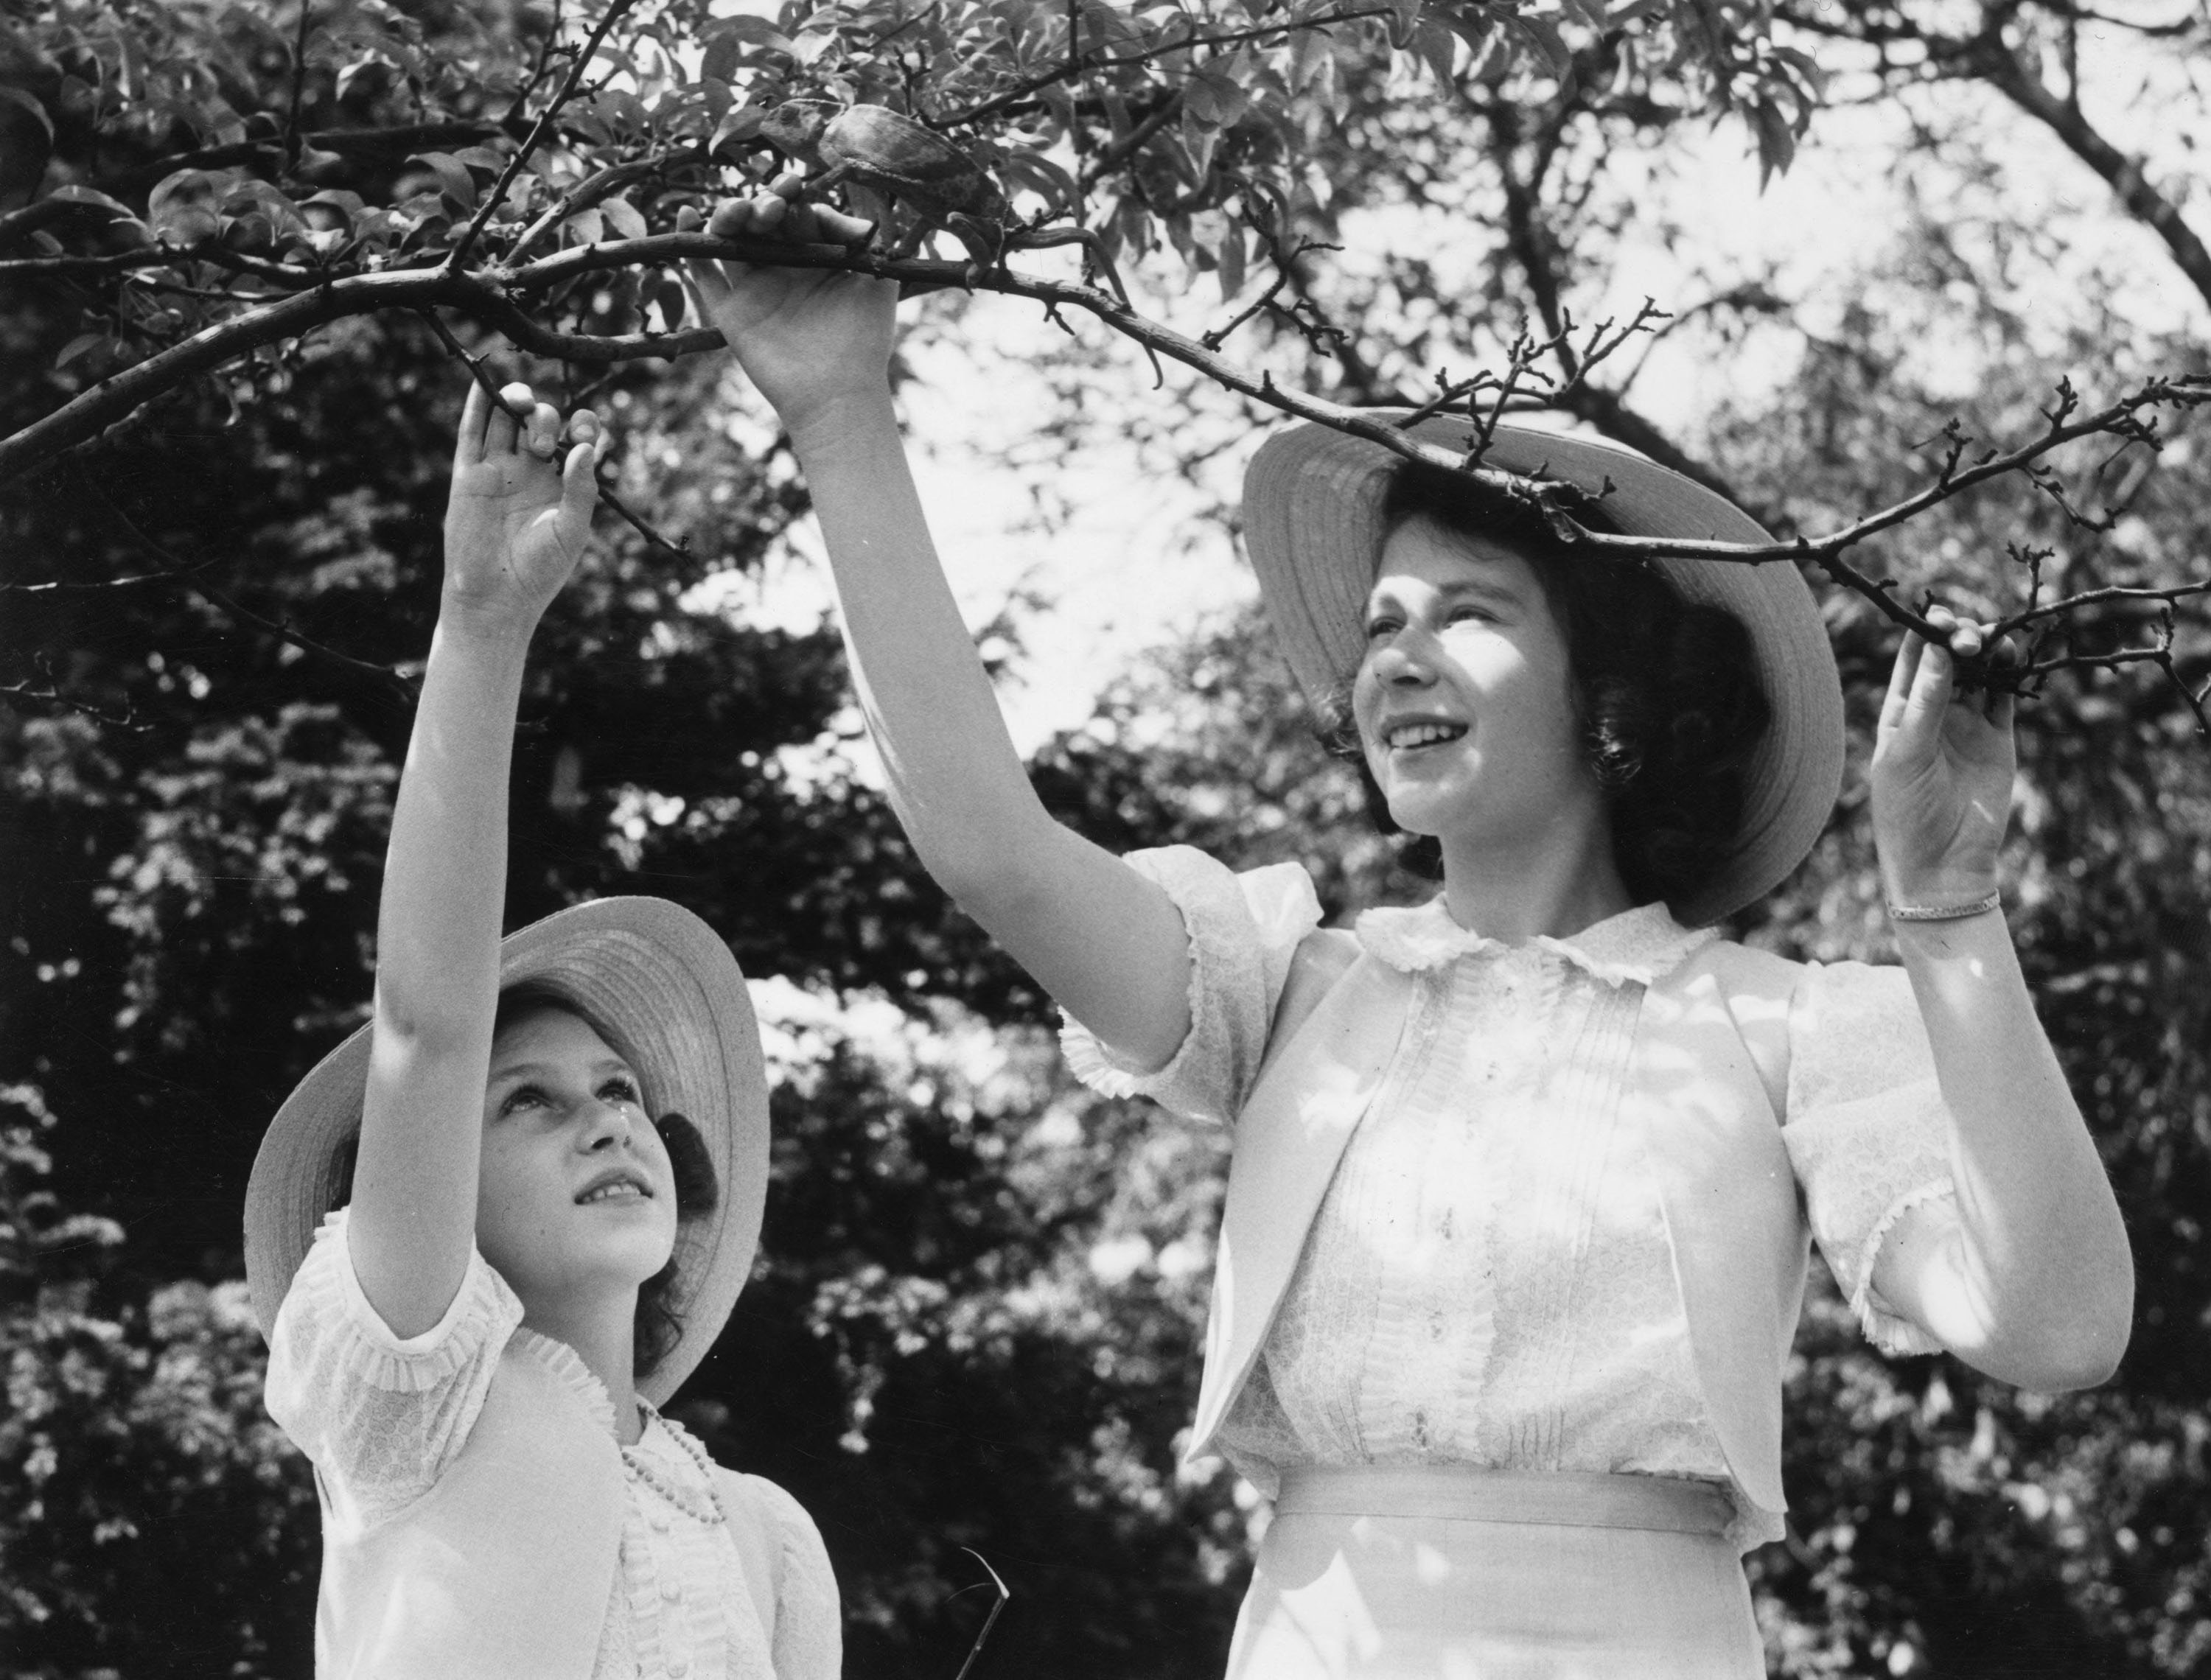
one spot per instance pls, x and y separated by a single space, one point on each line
517 520
1107 943
2033 1281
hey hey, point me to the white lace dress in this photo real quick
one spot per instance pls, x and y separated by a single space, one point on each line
383 1418
1487 1281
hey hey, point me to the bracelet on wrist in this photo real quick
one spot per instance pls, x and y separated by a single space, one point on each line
1944 912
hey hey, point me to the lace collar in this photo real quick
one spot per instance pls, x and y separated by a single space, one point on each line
1636 946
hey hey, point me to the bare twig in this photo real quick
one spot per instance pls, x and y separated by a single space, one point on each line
494 296
2073 604
535 138
590 191
183 572
990 1621
299 86
481 375
62 587
51 695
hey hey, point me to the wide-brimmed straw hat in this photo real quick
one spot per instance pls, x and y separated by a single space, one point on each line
664 988
1312 519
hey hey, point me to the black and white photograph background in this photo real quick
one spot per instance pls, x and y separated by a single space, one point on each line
1907 301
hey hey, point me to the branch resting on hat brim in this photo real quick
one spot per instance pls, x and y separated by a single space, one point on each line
1994 667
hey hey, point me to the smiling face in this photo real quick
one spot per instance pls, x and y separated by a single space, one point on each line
1464 701
576 1192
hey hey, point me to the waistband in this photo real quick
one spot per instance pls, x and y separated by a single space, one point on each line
1465 1493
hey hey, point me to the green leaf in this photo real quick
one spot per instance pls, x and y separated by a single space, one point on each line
1550 43
1036 171
752 32
182 207
742 124
1435 44
719 61
1230 256
453 177
623 218
17 97
1215 98
1776 141
1807 67
76 347
92 199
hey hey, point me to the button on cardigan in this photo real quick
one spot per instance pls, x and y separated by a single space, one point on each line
1525 1177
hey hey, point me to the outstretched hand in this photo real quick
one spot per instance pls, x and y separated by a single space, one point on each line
1943 766
519 515
806 337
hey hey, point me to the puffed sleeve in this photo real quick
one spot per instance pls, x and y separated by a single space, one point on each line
809 1624
1244 933
380 1416
1866 1129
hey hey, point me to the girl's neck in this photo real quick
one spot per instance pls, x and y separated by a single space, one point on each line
604 1333
1557 885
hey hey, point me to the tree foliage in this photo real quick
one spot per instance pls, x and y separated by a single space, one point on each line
537 175
977 1313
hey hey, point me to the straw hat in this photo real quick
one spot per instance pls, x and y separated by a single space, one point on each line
669 993
1312 520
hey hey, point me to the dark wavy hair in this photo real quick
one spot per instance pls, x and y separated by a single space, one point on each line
658 1325
1666 693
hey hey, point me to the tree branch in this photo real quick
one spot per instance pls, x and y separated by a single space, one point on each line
2000 68
535 138
477 372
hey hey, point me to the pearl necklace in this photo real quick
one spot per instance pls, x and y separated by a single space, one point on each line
682 1498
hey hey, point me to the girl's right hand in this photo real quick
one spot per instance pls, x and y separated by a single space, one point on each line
807 337
518 512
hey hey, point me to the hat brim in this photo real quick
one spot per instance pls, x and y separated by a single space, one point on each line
664 986
1312 522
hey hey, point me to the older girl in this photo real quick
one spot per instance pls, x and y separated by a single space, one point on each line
1522 1178
539 1245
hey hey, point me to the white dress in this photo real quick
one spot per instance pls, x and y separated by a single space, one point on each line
1488 1284
382 1418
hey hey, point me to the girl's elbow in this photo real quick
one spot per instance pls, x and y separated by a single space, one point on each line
2083 1352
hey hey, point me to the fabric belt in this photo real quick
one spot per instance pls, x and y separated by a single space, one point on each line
1465 1493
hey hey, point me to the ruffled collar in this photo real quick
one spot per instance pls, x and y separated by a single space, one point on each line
566 1364
1634 947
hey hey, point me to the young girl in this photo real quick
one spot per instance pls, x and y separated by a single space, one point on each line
1522 1179
558 1151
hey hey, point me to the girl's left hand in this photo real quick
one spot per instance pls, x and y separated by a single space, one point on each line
1942 767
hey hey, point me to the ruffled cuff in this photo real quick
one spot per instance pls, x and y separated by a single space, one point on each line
1893 1333
1244 932
326 1300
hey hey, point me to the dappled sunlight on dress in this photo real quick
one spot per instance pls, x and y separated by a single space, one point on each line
1488 1287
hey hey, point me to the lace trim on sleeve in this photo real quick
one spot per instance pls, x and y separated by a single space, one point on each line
381 1417
1244 931
810 1637
1891 1333
1867 1131
326 1300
